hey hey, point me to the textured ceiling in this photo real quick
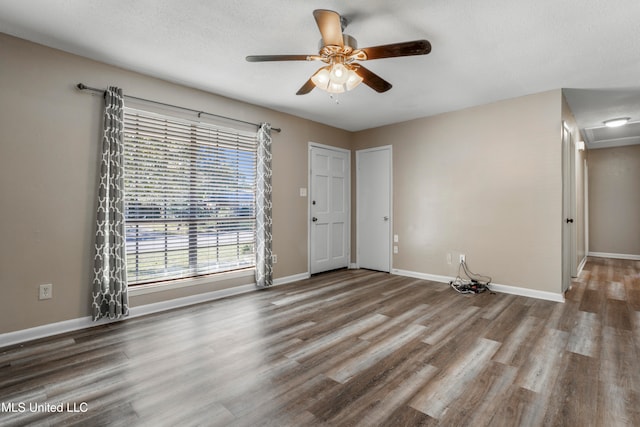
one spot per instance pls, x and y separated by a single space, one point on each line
592 106
482 51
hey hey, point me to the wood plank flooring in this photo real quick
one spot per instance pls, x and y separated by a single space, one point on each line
348 348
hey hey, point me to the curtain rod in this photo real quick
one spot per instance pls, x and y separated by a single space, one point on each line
82 86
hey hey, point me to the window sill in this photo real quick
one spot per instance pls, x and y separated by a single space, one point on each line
183 283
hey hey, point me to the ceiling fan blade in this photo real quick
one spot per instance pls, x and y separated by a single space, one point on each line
265 58
306 88
372 80
330 27
416 47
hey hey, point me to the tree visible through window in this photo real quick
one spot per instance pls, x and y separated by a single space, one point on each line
189 198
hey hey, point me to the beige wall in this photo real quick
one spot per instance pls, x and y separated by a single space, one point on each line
49 138
485 182
614 200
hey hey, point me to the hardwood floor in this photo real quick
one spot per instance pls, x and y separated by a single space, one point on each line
352 347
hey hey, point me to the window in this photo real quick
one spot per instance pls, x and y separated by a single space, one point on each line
189 198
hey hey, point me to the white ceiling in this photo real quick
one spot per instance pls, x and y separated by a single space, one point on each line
483 51
592 106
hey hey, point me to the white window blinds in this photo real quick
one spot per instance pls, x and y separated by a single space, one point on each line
189 198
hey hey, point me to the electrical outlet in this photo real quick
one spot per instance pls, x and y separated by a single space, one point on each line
449 261
395 249
274 258
462 258
45 291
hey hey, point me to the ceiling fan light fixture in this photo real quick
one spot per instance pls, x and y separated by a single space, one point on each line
614 123
321 77
339 73
336 78
353 80
335 88
322 80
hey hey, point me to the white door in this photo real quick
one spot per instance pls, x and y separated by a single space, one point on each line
373 182
329 209
568 209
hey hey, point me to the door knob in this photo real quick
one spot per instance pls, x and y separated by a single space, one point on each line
386 218
314 219
569 220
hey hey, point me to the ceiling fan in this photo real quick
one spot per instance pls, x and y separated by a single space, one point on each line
341 53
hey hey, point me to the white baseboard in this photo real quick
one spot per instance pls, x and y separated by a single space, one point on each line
616 256
157 307
291 279
51 329
526 292
505 289
353 266
423 276
581 266
11 338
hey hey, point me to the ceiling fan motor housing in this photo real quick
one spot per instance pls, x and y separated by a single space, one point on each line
350 44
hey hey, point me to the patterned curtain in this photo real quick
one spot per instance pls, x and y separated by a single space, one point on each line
110 298
264 265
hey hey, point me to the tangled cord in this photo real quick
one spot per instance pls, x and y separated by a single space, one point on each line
473 284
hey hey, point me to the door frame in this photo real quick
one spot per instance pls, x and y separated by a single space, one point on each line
586 206
388 148
310 146
569 242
